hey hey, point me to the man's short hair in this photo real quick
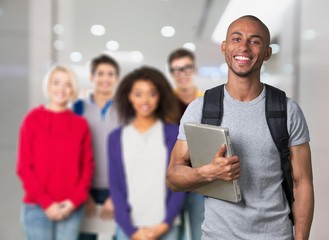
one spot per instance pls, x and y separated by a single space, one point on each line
104 59
180 53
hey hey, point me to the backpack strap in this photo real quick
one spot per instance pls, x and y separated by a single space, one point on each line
276 117
212 112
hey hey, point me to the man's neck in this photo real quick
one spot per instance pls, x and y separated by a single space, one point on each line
187 95
244 89
102 98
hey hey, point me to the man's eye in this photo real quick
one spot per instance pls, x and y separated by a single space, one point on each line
254 42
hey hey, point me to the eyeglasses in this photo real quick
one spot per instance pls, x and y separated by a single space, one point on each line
187 69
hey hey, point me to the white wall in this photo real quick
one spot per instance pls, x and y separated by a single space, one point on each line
13 104
313 98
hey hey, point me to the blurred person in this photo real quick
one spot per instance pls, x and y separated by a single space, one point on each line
139 154
55 162
96 109
264 210
182 67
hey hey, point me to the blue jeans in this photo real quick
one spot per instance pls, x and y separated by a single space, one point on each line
194 206
38 227
99 196
172 234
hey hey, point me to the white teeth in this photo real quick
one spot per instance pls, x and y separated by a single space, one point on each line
242 58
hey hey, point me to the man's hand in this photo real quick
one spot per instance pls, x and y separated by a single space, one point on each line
107 210
90 207
224 168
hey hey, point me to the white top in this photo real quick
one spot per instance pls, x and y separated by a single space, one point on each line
144 159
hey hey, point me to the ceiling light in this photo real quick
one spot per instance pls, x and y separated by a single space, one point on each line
190 46
112 45
98 30
76 57
58 29
168 31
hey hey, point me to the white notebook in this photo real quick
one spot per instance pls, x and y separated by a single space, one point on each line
203 142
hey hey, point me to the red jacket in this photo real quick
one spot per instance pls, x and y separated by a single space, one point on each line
54 157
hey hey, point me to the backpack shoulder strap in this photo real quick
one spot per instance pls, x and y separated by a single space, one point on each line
212 111
276 117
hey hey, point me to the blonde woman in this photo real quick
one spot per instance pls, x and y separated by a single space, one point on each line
55 162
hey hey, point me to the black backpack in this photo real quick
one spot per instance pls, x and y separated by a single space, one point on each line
276 117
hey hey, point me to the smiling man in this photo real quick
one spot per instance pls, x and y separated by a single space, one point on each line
267 210
182 68
97 109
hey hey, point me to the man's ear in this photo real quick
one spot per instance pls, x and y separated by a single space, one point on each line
223 47
268 53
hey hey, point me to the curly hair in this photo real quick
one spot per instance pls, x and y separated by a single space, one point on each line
167 109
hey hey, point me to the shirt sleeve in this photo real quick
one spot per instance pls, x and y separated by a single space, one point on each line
25 165
87 166
297 125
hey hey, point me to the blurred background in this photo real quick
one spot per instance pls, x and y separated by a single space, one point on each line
35 34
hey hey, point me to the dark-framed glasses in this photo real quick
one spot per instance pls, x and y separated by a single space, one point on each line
187 69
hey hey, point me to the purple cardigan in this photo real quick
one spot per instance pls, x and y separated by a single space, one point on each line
118 183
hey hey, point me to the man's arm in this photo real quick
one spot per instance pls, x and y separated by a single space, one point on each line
303 206
182 177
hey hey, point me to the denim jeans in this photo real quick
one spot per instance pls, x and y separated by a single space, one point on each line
99 196
38 227
194 206
172 234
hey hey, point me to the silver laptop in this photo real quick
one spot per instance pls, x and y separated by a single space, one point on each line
203 142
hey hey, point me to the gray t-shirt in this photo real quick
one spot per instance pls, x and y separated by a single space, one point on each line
101 123
263 211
